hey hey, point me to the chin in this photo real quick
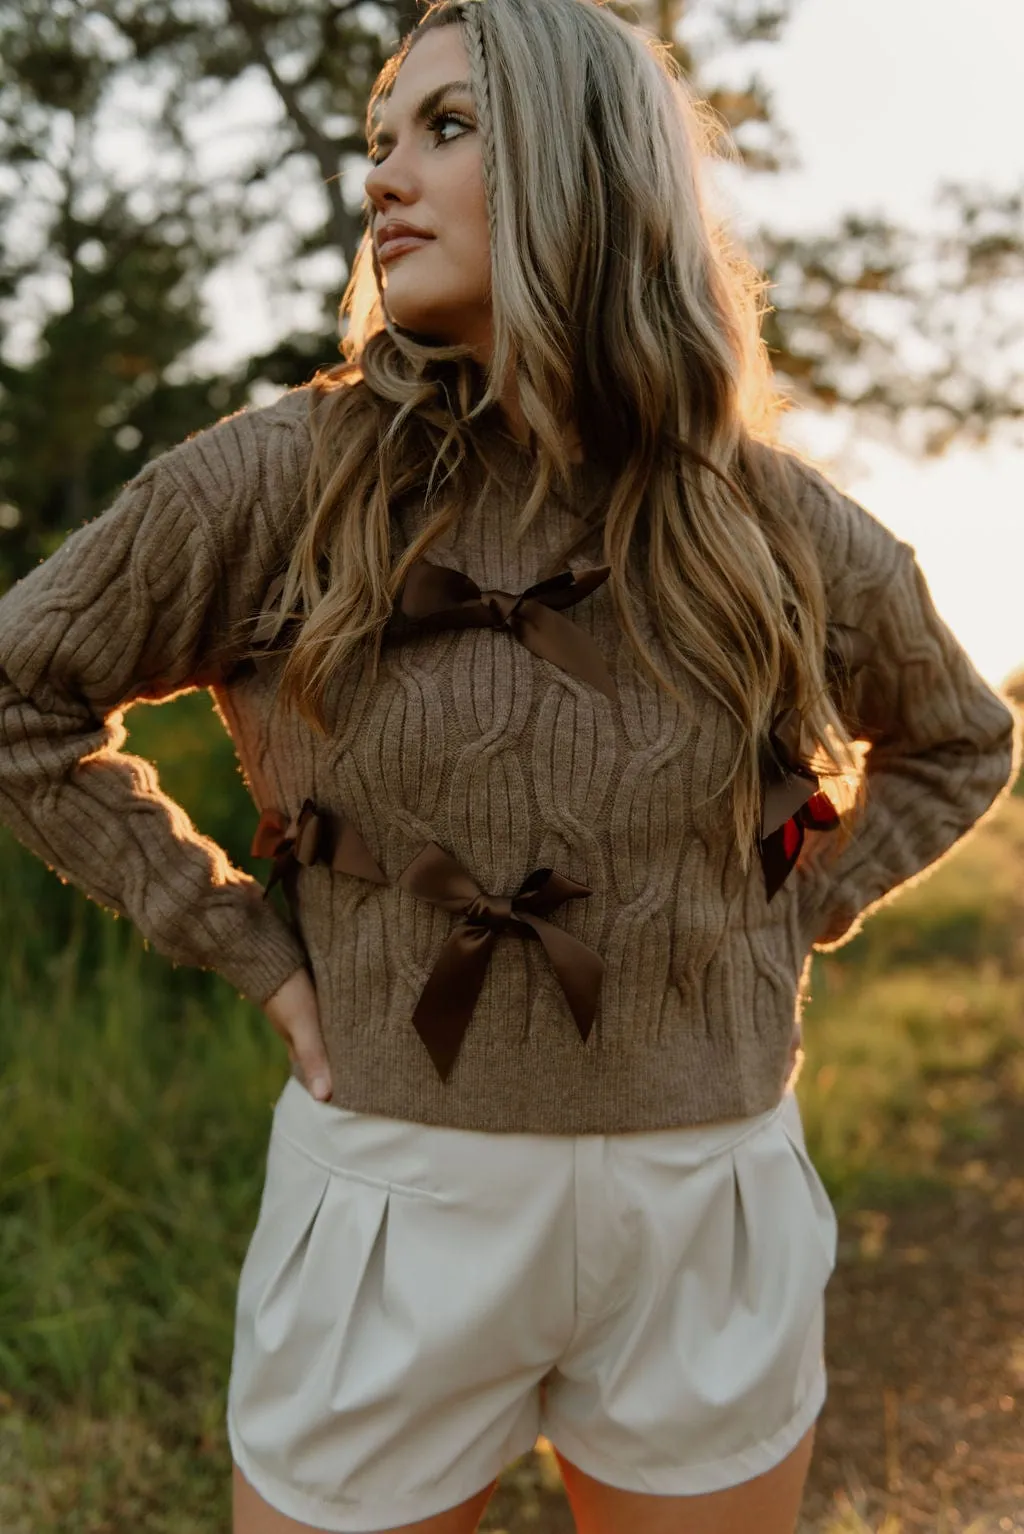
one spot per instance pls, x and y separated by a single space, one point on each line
445 322
423 325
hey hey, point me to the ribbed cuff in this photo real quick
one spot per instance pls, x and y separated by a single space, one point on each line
263 955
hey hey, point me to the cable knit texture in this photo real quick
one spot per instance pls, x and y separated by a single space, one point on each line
510 764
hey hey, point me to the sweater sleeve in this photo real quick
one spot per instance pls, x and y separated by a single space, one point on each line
143 603
940 744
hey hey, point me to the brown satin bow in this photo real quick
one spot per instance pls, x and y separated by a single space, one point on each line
440 597
312 836
792 802
789 783
446 1003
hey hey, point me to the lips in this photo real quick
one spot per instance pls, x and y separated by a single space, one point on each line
395 249
398 232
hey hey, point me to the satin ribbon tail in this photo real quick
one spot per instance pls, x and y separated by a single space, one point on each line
446 1002
579 970
548 634
784 797
779 854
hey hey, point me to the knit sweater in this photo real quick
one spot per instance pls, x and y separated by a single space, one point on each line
473 758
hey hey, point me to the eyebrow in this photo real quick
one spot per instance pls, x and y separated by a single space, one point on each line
382 137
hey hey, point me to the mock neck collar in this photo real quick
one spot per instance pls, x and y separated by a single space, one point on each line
512 463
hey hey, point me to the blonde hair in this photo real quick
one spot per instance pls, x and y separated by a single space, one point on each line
619 306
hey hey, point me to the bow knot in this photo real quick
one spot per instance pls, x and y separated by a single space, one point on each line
501 607
447 1000
440 597
490 911
792 803
312 836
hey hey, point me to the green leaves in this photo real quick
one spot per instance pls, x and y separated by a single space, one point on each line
149 145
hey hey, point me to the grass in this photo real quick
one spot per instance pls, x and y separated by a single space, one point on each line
914 1031
133 1122
134 1110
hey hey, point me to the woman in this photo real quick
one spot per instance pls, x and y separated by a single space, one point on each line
546 671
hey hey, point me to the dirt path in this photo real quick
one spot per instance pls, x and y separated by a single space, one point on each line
925 1347
925 1350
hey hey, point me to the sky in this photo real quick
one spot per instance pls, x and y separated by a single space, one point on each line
885 100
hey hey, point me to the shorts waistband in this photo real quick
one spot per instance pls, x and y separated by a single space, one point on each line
320 1127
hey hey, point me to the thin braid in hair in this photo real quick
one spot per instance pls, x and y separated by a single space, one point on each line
473 32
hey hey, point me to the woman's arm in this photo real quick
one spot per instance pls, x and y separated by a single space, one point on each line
142 602
941 742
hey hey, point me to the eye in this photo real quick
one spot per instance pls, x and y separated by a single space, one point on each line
433 124
442 119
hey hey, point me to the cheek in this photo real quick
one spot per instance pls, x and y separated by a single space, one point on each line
471 236
457 271
483 243
476 251
459 264
478 199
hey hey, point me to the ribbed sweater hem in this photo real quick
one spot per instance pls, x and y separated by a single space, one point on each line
571 1088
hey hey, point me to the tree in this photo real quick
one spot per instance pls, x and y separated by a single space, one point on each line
915 330
102 285
105 257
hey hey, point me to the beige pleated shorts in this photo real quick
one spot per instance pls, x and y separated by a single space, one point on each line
417 1304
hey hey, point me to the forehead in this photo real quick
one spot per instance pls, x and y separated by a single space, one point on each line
439 56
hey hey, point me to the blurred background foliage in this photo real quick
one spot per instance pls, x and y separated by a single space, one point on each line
123 193
134 1097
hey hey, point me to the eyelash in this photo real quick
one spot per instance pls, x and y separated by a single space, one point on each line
432 124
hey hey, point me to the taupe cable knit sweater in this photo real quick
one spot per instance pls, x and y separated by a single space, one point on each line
506 761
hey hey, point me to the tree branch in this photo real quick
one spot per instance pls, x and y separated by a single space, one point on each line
345 227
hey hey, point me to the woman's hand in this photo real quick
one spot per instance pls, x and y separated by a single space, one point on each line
293 1014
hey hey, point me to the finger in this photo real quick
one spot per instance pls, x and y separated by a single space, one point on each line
308 1047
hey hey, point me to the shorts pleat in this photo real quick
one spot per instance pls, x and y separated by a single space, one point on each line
407 1289
710 1367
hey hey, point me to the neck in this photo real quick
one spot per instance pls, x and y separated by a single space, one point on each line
512 412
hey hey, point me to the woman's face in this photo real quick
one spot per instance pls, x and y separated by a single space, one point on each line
428 173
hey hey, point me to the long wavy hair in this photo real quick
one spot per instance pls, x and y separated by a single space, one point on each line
618 305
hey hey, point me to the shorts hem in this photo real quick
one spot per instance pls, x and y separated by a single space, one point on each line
696 1480
361 1518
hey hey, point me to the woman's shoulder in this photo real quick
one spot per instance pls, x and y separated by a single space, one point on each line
255 447
242 478
852 546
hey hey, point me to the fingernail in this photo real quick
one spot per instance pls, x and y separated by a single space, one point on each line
321 1088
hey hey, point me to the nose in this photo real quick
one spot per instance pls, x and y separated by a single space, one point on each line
393 180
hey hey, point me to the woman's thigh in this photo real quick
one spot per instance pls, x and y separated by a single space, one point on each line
252 1515
769 1503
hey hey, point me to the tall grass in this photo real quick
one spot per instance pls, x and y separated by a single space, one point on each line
135 1105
